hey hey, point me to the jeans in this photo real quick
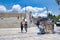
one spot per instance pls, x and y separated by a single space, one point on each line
42 30
52 28
38 26
26 28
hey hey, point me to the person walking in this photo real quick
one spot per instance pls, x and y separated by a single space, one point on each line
52 26
17 17
25 25
21 27
37 24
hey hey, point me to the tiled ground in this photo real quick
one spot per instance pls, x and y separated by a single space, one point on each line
10 30
15 34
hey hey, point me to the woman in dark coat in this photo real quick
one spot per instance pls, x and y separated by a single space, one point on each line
38 24
21 27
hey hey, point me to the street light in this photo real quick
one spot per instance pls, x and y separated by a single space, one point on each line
27 14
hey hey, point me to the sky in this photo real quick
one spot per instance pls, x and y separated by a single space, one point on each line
36 6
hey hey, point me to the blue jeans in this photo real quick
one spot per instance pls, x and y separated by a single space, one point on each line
52 28
38 26
42 30
26 28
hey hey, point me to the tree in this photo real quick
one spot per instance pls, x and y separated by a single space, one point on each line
52 17
58 17
58 2
49 16
55 18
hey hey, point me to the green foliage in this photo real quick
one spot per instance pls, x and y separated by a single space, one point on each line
55 18
58 17
49 16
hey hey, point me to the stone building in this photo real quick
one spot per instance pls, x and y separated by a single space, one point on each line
15 14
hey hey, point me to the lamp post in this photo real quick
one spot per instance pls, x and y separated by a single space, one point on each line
27 14
47 10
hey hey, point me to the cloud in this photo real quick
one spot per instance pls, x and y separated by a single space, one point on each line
33 9
2 8
15 8
50 11
43 14
18 8
27 9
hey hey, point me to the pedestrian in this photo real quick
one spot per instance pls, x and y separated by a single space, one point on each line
38 24
21 27
41 27
17 17
52 26
25 25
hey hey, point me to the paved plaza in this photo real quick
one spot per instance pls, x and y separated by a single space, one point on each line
10 30
15 34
